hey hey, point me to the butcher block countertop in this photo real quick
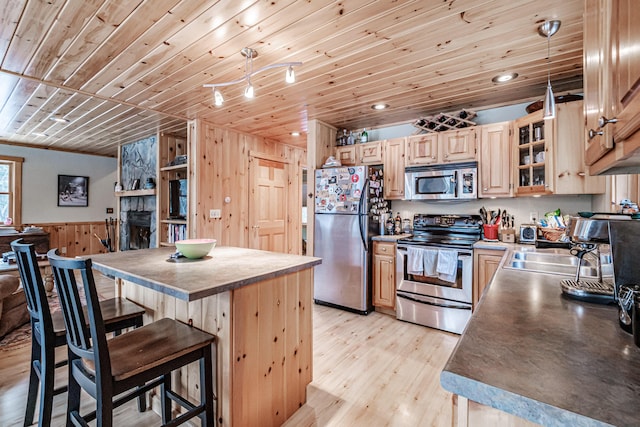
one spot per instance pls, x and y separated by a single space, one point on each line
225 268
532 352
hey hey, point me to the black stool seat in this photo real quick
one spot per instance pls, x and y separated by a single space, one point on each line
48 332
118 314
129 364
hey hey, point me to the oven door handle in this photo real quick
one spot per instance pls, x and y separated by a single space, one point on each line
423 301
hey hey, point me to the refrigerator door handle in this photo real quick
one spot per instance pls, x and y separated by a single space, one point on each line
362 215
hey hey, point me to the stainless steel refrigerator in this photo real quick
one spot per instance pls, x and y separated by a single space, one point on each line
347 204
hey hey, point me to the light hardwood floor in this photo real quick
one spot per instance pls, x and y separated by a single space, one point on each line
368 371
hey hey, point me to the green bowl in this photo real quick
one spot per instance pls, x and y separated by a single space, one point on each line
586 214
195 248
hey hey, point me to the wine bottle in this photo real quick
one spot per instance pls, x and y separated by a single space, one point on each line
364 137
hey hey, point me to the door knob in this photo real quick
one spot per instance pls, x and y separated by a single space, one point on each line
603 121
593 133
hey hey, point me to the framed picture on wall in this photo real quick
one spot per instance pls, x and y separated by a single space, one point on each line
73 190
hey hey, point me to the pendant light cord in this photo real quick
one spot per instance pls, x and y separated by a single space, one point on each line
549 59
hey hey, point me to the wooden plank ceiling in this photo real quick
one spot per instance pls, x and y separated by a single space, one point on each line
119 70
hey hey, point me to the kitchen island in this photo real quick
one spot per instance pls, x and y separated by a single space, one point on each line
257 303
531 352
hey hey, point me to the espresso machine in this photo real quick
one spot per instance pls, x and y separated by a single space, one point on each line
590 244
625 244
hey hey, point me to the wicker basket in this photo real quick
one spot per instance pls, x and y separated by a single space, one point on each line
552 234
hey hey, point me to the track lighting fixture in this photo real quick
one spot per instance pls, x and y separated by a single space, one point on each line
249 55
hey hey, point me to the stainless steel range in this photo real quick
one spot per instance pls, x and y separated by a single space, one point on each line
435 271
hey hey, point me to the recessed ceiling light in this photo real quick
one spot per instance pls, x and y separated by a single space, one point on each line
295 133
380 106
503 78
59 119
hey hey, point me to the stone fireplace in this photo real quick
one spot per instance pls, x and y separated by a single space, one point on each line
138 212
139 223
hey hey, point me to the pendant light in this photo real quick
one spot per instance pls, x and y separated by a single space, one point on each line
548 29
249 91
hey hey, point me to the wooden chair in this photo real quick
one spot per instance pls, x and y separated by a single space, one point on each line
48 332
142 358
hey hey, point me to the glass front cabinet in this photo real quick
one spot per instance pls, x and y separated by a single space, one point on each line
533 155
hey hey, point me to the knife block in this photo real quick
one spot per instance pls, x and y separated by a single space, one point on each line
508 235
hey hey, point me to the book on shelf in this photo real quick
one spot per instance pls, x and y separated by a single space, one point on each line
176 232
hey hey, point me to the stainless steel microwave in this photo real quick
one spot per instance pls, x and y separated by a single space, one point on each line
441 182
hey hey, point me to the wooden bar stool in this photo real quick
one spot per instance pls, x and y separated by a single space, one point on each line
129 364
48 332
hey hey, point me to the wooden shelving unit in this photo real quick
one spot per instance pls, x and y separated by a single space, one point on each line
136 193
169 229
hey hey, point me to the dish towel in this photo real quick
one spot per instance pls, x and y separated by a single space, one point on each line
447 265
415 264
430 258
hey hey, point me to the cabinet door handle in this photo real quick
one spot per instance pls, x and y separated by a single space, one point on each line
603 121
485 189
593 133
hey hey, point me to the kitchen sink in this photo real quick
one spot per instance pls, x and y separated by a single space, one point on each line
556 262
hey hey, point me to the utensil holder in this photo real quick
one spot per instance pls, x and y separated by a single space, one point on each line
490 231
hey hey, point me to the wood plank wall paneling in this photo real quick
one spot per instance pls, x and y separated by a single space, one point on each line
222 164
321 139
263 365
77 238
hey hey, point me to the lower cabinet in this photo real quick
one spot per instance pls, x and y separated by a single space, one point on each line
485 264
384 274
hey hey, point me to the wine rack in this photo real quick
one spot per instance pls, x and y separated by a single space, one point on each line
445 121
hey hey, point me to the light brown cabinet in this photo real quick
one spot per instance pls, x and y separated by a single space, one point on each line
369 153
611 79
422 149
533 154
384 274
549 154
347 155
442 147
495 161
485 264
458 145
394 161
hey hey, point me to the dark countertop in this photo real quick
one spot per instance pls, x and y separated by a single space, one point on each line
534 353
224 269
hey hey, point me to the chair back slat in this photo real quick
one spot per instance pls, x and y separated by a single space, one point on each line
37 303
85 339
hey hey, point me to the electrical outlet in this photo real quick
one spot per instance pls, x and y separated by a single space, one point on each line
533 217
63 250
215 213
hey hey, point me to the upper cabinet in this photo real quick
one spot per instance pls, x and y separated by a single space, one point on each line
422 149
394 162
369 153
549 154
533 154
458 145
442 147
611 83
494 166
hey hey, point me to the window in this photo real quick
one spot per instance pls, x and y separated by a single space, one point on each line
11 189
